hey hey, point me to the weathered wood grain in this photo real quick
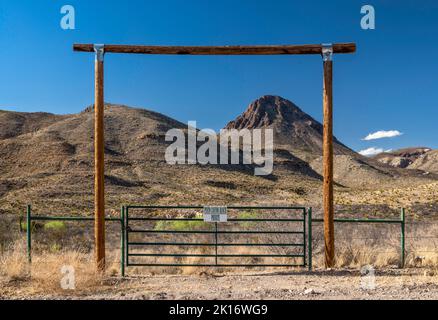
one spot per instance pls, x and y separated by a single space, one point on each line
220 50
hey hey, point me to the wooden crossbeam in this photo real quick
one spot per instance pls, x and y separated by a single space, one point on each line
220 50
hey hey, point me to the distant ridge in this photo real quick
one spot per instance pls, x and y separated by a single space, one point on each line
422 158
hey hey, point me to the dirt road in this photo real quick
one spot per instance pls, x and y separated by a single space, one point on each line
336 284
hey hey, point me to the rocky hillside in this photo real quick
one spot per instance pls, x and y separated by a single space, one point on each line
418 158
14 124
47 160
294 130
428 162
401 158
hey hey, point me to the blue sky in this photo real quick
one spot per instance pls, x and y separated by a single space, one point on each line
389 84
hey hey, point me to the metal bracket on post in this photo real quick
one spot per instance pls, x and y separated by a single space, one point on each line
327 52
100 51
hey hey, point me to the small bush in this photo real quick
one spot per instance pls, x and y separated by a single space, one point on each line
182 225
55 226
248 215
56 247
34 226
300 191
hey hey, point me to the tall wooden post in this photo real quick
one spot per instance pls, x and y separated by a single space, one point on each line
99 141
329 236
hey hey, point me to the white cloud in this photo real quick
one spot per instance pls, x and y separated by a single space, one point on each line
382 134
371 151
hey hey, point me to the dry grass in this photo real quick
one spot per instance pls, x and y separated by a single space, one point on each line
422 244
379 245
13 263
356 246
395 197
45 273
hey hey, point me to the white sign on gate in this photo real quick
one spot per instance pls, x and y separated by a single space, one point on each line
215 214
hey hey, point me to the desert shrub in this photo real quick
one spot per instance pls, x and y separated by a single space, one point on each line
55 247
300 191
55 226
248 215
182 225
34 225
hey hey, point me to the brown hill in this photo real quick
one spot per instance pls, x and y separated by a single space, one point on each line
52 166
412 158
18 123
427 162
403 158
47 160
419 158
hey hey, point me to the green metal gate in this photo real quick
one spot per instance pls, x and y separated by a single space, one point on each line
252 236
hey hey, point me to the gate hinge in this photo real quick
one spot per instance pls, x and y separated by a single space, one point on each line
99 49
327 52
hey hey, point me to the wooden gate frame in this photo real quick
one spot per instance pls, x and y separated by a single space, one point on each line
326 50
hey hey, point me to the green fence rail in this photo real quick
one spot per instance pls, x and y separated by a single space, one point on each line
30 218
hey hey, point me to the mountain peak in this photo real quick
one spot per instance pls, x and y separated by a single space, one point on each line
293 128
266 111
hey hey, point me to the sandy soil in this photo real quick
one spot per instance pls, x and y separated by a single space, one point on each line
336 284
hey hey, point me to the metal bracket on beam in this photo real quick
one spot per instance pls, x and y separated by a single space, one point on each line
99 49
327 52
